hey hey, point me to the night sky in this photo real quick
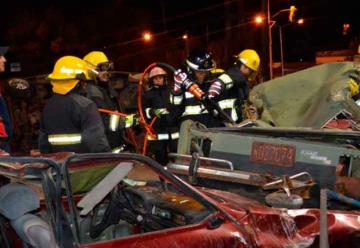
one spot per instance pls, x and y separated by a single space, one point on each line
41 31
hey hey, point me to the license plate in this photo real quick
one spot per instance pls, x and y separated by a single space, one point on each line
273 154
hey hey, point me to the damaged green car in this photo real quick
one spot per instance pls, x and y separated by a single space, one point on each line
301 136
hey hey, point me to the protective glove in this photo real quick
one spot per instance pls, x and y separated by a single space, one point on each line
158 112
210 105
131 120
181 80
214 109
214 90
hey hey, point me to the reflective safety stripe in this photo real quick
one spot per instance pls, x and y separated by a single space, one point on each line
175 135
226 79
164 136
194 110
234 114
118 149
147 113
163 111
176 100
64 139
114 122
224 104
229 104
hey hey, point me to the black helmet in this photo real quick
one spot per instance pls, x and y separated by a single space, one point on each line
200 60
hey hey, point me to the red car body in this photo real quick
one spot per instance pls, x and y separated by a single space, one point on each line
234 221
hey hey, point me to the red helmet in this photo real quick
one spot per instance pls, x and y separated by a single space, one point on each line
157 71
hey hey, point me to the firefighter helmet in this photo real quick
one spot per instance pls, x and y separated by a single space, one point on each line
95 58
157 71
67 72
99 61
200 60
250 58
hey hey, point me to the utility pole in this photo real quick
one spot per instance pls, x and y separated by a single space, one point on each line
227 11
264 44
281 51
270 40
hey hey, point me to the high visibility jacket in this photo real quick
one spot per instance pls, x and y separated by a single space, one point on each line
72 123
235 83
185 106
235 87
157 99
106 98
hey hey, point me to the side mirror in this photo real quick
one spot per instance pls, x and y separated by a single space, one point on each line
215 222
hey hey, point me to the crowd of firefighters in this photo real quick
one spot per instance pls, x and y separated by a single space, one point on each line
198 91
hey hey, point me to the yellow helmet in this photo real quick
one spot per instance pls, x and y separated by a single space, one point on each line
67 72
95 58
250 58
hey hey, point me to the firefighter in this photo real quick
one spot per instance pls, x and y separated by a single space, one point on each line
233 84
100 91
70 121
156 104
186 104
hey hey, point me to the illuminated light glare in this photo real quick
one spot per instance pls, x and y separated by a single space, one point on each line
259 19
147 36
185 36
300 21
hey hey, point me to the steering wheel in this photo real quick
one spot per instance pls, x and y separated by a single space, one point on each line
148 126
119 208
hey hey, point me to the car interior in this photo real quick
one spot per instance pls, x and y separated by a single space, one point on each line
131 199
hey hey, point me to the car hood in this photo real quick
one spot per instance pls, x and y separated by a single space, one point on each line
298 226
313 97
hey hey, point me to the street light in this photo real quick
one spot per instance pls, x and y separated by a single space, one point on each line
259 19
147 36
292 13
299 22
270 24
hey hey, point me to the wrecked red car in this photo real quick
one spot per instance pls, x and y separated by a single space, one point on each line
128 200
